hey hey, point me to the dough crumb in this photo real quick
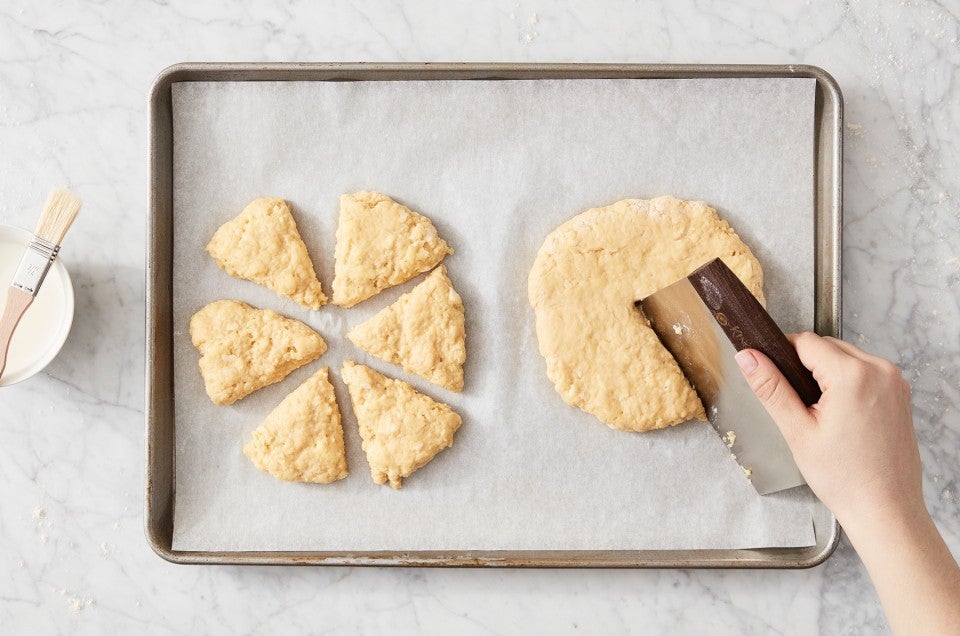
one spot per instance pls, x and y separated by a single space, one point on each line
730 438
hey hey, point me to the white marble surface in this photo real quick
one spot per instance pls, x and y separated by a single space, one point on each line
73 94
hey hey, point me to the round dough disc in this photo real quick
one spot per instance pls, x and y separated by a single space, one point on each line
601 354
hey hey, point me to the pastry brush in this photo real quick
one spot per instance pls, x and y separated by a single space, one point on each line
59 212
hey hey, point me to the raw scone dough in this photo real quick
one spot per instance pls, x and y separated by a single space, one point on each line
243 349
601 354
422 332
301 439
401 428
263 244
380 243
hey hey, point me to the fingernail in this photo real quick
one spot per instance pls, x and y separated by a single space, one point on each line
746 361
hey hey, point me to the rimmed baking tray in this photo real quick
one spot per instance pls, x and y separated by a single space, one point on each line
160 424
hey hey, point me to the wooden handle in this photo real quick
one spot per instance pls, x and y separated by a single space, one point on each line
749 326
17 303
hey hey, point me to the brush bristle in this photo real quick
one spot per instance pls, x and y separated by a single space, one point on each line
61 209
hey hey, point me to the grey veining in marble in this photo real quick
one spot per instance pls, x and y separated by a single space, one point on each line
74 79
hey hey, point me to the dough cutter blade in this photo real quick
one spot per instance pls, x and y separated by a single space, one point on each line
703 320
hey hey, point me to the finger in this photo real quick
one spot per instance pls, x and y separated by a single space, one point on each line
860 354
825 360
850 349
775 393
811 341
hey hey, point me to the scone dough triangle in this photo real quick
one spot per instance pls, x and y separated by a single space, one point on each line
380 243
263 244
401 428
423 332
302 439
243 349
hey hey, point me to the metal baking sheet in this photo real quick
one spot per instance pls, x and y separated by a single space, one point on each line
160 475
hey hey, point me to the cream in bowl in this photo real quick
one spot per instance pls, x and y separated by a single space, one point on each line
44 327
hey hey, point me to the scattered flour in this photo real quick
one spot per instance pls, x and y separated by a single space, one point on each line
43 521
856 130
76 602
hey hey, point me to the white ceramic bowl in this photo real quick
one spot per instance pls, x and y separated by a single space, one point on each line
46 323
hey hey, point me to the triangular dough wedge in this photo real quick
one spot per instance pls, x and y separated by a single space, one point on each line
422 332
243 349
263 244
380 243
401 428
301 439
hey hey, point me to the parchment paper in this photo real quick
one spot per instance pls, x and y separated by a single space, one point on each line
496 166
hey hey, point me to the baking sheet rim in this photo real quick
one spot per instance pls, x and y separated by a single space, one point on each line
159 468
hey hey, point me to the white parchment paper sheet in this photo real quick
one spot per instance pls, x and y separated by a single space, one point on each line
496 166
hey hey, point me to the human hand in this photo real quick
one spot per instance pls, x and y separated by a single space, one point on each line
858 451
856 447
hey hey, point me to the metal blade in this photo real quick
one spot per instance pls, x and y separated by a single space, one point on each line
691 334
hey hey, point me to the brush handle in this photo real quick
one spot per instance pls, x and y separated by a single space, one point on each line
749 326
17 303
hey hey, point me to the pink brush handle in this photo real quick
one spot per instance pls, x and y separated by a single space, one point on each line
17 303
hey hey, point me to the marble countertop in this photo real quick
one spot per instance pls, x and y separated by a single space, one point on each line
74 79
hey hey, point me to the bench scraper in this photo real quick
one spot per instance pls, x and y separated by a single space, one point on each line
703 320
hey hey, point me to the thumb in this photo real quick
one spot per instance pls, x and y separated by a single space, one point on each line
775 393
